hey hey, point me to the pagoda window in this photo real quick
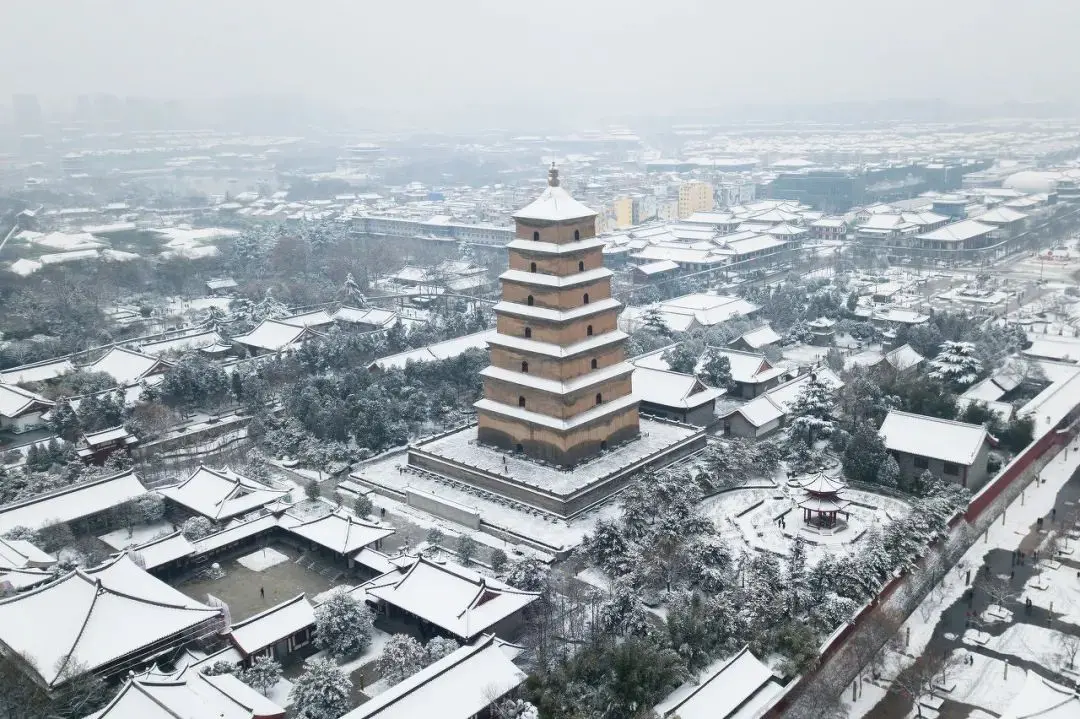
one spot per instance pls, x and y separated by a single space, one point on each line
588 331
585 298
528 332
521 401
529 300
532 267
577 235
581 266
594 363
536 236
599 398
525 367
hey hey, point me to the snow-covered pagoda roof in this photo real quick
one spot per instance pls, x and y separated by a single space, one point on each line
449 596
274 336
554 204
823 484
460 685
922 436
188 693
738 687
274 624
96 617
823 504
219 494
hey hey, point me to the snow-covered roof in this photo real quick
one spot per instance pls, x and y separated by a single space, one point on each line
449 596
106 436
234 532
760 411
708 309
564 387
544 314
70 503
903 357
446 349
562 425
760 337
460 685
19 580
338 531
220 494
374 316
274 336
1001 216
900 316
126 366
558 281
187 343
95 617
224 283
672 389
21 554
318 318
551 248
737 688
187 694
947 440
163 550
554 205
655 268
1056 348
785 394
958 231
746 367
550 349
38 372
274 624
15 401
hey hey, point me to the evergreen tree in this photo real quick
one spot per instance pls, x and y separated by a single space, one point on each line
865 454
957 364
623 613
681 358
466 549
343 625
529 575
498 560
811 412
196 528
402 657
363 506
263 675
321 692
888 474
717 369
439 647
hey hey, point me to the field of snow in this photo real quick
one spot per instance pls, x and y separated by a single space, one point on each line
262 559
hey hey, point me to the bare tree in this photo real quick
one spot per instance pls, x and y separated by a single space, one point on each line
1069 648
917 680
999 590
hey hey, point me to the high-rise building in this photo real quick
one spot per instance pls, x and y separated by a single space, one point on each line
558 388
26 114
695 196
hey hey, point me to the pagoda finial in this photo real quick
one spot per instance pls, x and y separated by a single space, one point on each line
553 176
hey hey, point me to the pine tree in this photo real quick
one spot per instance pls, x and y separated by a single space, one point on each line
196 528
811 412
321 692
717 369
681 358
343 625
623 613
498 560
402 657
957 364
865 454
363 506
888 474
528 575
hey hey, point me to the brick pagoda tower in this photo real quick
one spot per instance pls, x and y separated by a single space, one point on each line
558 388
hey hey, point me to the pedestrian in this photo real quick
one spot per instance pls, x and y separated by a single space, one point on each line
1012 574
262 592
1035 557
1053 514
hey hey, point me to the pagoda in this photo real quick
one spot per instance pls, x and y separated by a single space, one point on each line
559 387
822 500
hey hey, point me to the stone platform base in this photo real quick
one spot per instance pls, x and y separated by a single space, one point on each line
564 493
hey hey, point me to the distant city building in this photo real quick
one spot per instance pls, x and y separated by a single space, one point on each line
26 114
695 196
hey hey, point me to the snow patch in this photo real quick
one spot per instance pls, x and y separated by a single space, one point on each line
262 559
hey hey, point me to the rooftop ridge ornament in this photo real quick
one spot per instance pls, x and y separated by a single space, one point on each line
553 176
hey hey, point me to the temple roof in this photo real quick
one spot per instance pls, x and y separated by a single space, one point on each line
823 484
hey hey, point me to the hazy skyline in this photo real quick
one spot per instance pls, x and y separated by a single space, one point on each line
593 57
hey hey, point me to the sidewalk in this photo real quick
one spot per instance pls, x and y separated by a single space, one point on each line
940 619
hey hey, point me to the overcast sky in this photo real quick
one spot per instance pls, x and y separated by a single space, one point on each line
603 56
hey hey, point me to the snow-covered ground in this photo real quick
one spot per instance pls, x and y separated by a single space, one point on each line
136 534
263 559
983 684
757 527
